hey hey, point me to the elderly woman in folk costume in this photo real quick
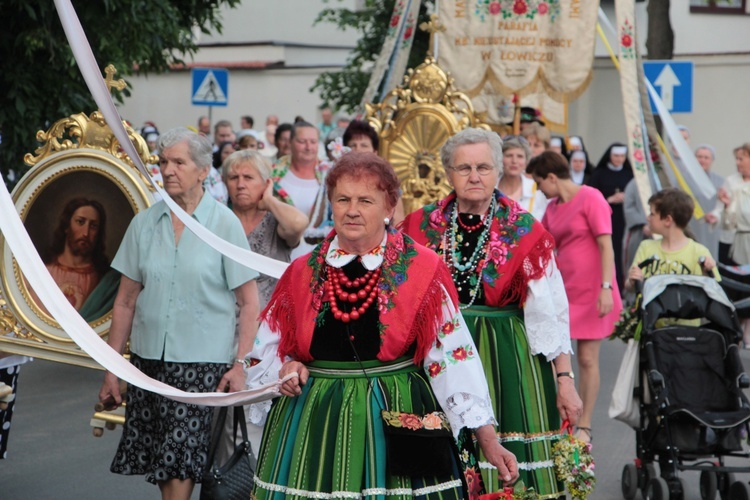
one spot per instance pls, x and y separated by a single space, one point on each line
368 326
513 300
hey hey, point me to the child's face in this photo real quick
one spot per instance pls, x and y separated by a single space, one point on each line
655 221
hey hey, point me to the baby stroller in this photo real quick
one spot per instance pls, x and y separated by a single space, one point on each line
692 409
735 280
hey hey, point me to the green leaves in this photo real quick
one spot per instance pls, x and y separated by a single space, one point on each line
39 80
344 89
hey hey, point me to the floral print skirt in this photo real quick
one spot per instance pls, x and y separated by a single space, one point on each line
329 441
163 438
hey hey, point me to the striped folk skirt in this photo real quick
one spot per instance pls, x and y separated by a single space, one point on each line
524 395
328 442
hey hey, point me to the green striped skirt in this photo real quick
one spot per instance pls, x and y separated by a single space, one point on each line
524 395
328 442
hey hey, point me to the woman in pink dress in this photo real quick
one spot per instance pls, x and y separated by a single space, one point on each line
578 217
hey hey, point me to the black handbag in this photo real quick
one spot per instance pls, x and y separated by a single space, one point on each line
418 445
234 479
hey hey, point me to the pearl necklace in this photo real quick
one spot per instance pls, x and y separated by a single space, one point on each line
483 238
481 250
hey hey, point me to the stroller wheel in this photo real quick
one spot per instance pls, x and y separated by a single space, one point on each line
738 490
676 488
657 489
629 481
709 484
725 481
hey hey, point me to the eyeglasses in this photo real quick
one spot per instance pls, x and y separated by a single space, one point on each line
465 170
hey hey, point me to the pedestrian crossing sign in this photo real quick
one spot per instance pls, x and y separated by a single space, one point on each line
210 87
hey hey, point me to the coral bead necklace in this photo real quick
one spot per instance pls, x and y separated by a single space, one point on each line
339 286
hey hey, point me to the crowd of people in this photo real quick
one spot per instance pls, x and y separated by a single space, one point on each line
459 317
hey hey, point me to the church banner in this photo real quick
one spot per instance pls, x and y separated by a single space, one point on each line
541 50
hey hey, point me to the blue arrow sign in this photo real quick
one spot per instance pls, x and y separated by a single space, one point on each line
673 80
210 87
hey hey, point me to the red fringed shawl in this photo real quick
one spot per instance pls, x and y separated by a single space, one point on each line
518 251
409 300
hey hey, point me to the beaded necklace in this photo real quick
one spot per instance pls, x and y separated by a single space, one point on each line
459 270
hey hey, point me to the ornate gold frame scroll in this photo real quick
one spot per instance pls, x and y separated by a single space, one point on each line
413 122
79 157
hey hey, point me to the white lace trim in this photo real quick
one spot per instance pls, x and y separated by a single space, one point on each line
527 440
542 464
470 410
547 315
369 492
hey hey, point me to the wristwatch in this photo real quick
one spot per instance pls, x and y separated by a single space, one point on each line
567 374
607 284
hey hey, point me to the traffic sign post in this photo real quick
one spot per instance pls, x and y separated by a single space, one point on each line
210 87
673 80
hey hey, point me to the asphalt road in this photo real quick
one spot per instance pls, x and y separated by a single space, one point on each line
53 454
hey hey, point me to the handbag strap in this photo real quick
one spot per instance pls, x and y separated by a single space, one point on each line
362 367
216 435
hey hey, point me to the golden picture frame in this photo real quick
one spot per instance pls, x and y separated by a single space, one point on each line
80 160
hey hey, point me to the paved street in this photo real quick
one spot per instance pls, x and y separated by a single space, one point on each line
53 453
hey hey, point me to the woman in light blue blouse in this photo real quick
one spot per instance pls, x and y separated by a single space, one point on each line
176 305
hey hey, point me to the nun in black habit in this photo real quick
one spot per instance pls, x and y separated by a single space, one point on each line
610 177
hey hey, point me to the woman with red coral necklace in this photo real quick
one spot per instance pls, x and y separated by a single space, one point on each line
368 322
513 300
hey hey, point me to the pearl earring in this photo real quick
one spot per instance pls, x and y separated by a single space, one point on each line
387 221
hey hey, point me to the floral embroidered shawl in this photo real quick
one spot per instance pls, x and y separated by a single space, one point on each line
409 300
518 252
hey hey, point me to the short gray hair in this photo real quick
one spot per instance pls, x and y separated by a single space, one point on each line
257 160
473 136
710 149
517 142
199 148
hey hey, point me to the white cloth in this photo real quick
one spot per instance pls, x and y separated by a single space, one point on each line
547 315
459 386
303 193
737 217
532 200
338 258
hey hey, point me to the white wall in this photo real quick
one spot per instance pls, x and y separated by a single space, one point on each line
281 20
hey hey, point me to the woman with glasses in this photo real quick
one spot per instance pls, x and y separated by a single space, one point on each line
513 300
515 185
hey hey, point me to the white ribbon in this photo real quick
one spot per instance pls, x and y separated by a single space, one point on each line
91 74
85 337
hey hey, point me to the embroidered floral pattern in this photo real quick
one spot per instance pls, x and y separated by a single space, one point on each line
639 156
461 354
434 421
436 368
627 49
510 224
408 31
398 11
517 9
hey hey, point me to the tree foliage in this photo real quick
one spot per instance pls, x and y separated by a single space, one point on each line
344 89
39 79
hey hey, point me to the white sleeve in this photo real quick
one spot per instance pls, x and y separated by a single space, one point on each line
456 375
266 353
547 315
